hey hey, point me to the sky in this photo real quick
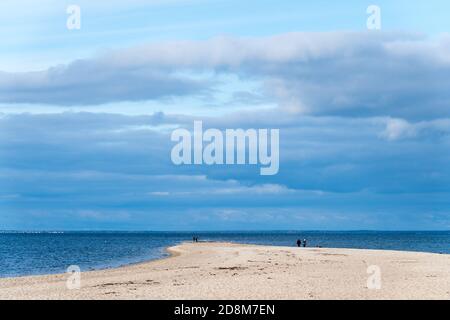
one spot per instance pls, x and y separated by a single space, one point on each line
86 115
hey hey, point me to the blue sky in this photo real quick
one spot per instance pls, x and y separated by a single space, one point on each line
86 115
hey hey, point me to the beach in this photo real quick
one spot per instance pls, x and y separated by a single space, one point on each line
237 271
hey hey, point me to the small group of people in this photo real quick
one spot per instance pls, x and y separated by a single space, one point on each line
194 239
299 243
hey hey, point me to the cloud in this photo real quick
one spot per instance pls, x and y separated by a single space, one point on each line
89 169
92 82
398 128
364 125
224 188
316 153
349 74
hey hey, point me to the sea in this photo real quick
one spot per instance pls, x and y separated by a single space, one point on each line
38 253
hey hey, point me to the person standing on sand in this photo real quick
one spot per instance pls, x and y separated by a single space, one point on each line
304 243
299 243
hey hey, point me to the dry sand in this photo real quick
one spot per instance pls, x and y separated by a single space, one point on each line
235 271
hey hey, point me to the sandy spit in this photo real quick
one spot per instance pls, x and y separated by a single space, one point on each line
237 271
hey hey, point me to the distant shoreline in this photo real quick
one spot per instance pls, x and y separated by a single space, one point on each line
213 270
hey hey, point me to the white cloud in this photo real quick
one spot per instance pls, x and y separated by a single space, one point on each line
337 73
397 129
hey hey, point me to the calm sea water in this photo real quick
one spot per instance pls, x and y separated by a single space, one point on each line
47 252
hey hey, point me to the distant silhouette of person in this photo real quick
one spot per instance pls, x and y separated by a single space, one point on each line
196 239
193 239
304 243
299 243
